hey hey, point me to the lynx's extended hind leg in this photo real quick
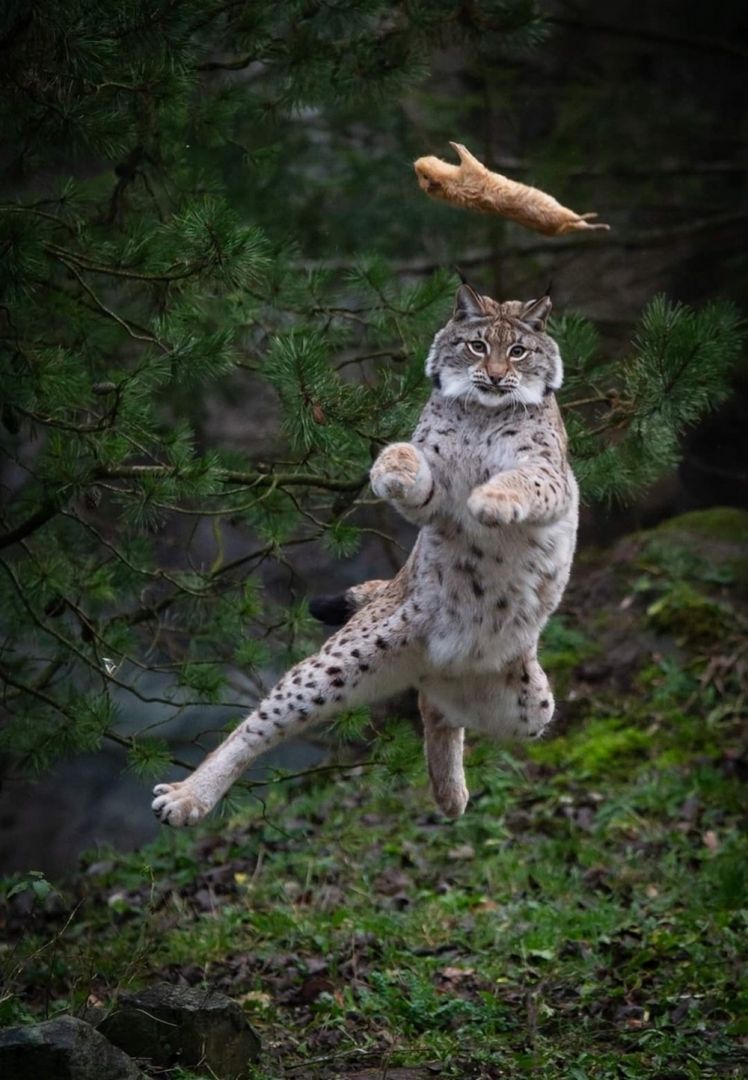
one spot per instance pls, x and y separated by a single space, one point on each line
370 658
443 747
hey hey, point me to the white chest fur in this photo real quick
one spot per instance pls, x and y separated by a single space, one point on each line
486 593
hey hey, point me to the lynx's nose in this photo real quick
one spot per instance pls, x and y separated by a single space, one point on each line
502 376
498 373
497 369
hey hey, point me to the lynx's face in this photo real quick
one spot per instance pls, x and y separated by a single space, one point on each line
495 354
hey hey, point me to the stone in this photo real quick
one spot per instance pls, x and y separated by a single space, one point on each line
62 1049
188 1026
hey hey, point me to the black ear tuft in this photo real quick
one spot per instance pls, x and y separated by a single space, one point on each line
331 610
535 313
468 303
461 276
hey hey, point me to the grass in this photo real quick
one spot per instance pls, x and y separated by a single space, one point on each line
586 919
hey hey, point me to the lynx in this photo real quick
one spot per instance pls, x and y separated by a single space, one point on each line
487 480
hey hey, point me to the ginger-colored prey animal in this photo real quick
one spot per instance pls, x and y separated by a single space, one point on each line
474 187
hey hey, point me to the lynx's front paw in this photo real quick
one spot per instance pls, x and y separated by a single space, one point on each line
176 804
496 506
401 474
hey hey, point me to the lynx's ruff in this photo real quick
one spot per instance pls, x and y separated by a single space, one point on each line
487 480
471 185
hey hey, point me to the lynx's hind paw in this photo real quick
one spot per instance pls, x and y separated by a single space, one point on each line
175 804
452 800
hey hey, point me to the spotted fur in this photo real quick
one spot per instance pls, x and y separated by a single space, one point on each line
487 480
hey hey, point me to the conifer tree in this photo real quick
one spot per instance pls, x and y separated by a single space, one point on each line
174 224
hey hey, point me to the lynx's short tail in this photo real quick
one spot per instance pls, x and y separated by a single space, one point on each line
337 609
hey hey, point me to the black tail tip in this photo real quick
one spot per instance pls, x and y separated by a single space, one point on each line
331 610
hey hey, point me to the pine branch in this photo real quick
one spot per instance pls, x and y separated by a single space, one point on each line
101 424
20 208
231 476
127 742
127 327
147 613
169 275
237 64
70 647
44 514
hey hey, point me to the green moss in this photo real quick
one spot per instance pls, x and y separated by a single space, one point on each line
672 758
709 546
605 746
718 523
689 615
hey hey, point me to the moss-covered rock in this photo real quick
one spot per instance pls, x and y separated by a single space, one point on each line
722 523
691 616
709 546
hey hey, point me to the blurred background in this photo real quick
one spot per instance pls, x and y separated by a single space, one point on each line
220 281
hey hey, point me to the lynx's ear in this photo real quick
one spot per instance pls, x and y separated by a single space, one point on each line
468 303
535 313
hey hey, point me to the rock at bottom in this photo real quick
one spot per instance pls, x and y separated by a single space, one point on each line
62 1049
187 1026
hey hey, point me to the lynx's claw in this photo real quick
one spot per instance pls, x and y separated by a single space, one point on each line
175 804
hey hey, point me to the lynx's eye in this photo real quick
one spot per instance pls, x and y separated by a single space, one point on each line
478 347
517 352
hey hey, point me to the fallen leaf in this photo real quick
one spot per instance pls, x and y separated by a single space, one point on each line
485 904
541 954
256 997
455 973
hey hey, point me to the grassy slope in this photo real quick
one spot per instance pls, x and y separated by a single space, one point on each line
585 919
